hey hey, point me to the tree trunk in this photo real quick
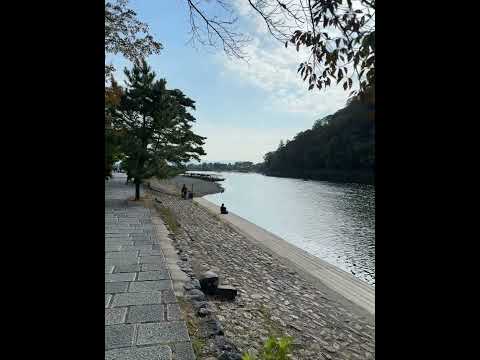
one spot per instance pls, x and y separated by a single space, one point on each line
137 190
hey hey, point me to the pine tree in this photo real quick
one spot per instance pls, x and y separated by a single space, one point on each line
112 152
156 126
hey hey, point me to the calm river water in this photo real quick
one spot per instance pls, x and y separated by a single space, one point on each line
333 221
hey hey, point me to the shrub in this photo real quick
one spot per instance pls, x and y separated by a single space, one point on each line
273 349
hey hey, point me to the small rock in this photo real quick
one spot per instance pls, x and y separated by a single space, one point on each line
293 326
196 294
209 282
212 327
223 344
225 293
227 355
197 305
203 311
330 349
196 284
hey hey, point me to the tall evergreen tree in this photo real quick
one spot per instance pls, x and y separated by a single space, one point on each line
112 151
156 126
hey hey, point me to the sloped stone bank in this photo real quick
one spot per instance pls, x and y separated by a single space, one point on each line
272 298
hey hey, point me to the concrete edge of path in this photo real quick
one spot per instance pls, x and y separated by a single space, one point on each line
178 277
338 280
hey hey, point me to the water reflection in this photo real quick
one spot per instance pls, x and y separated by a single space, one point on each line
335 222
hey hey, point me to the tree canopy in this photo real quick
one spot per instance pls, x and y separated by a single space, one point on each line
155 126
339 35
126 35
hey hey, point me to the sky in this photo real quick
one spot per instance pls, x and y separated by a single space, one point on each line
243 108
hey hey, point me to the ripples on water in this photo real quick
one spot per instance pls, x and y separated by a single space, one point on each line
333 221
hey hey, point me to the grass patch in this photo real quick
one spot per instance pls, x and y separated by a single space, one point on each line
193 327
168 218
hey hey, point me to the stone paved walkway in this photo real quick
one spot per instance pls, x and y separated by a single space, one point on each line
142 317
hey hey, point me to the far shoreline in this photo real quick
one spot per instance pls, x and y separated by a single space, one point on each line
336 176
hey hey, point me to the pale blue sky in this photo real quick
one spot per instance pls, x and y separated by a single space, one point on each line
243 109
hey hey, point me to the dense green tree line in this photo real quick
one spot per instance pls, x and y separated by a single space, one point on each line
339 147
243 166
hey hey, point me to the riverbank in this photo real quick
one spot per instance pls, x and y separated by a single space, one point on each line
272 293
343 283
174 185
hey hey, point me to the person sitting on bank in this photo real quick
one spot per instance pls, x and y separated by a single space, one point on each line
223 209
184 192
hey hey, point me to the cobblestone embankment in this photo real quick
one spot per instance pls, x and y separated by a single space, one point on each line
271 295
174 185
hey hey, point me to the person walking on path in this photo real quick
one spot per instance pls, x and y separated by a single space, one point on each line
184 192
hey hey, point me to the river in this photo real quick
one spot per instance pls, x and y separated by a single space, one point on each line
334 221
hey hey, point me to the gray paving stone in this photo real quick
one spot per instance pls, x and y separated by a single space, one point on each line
112 247
147 286
144 298
120 277
151 260
146 313
107 299
127 268
174 312
136 248
116 287
151 252
121 254
153 275
127 261
143 243
168 296
118 245
118 336
158 352
115 316
154 267
183 351
162 332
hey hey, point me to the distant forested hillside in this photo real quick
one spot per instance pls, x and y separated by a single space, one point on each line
339 147
243 166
